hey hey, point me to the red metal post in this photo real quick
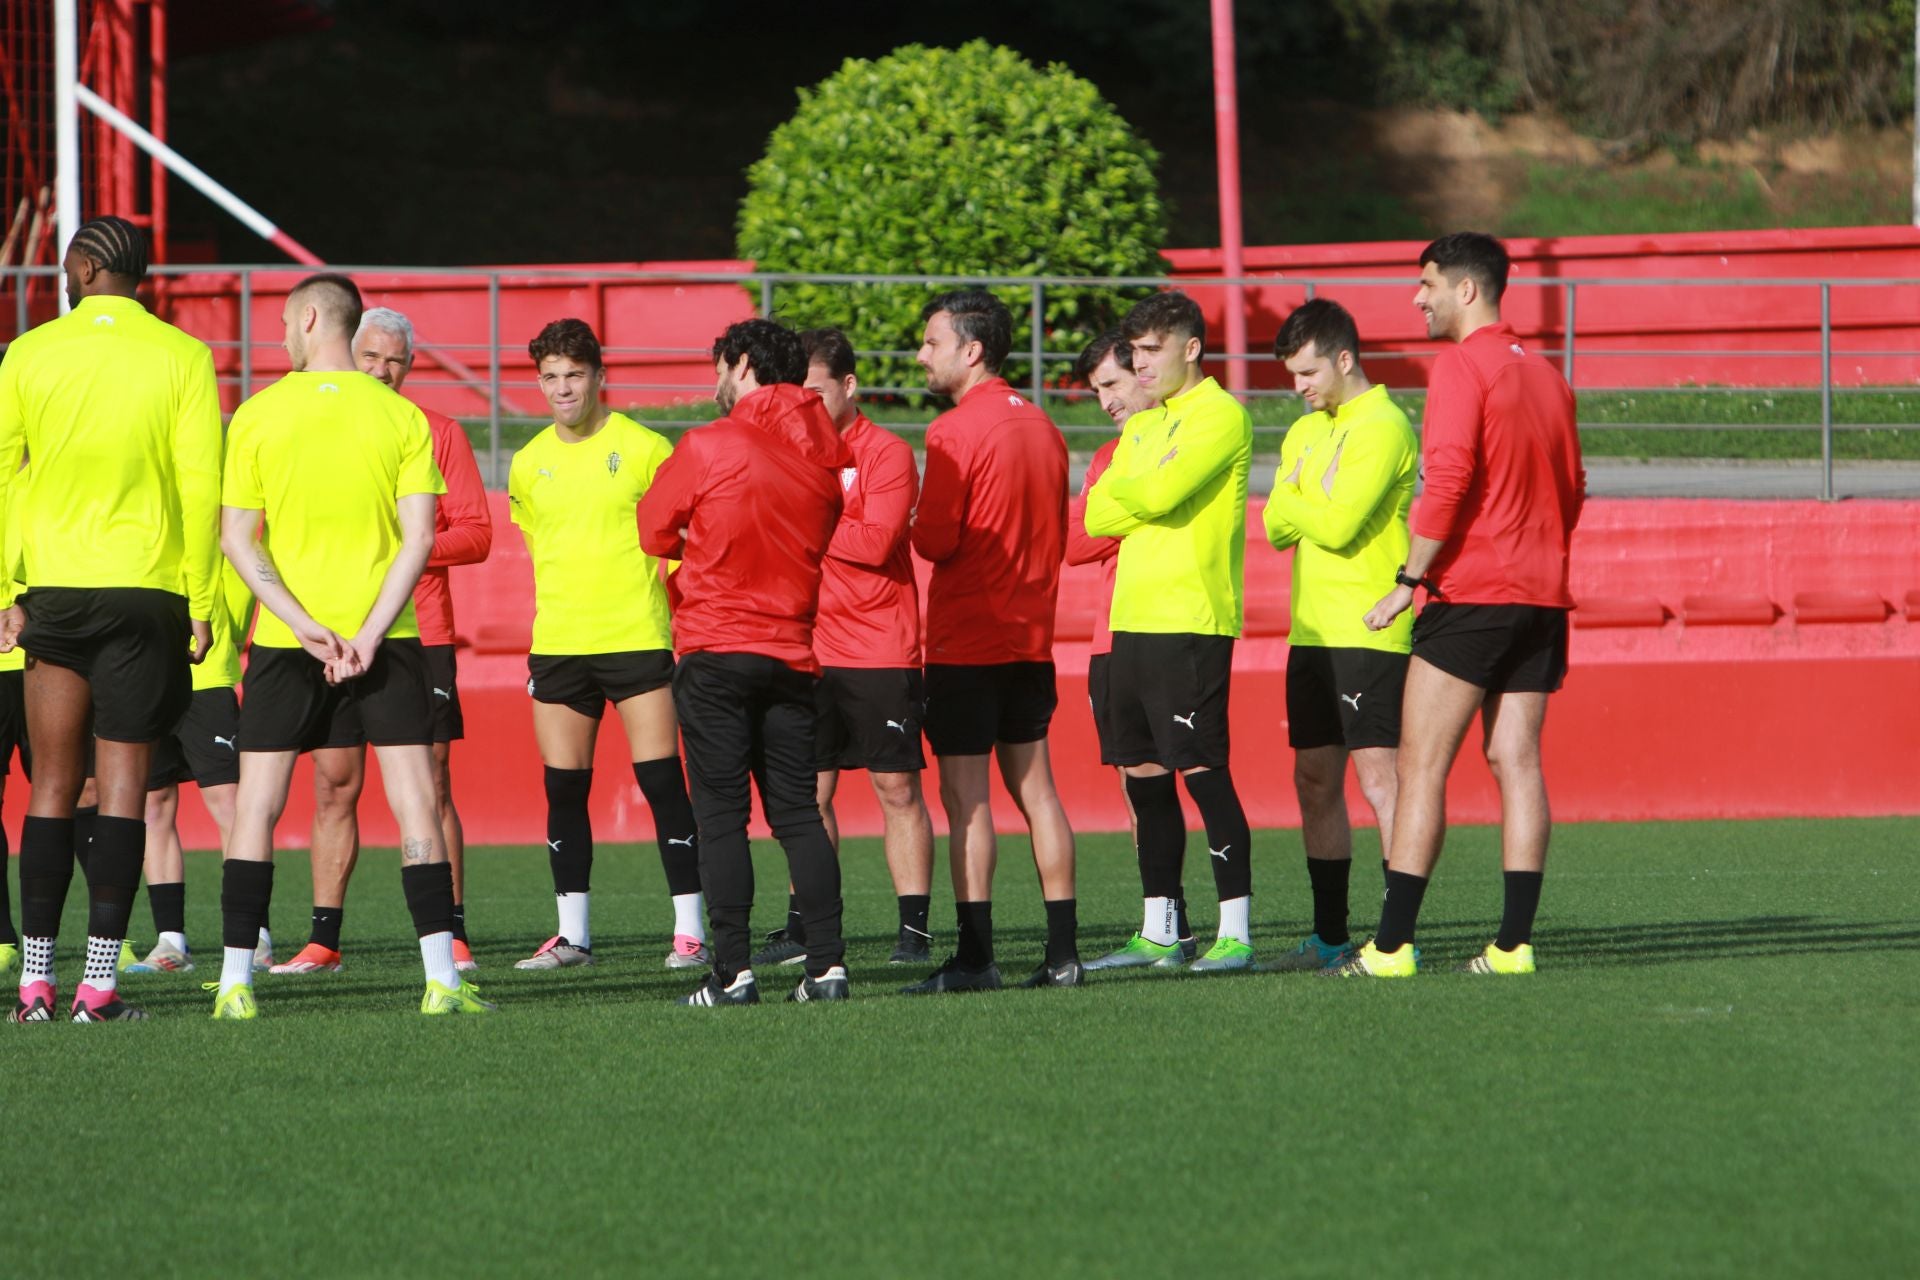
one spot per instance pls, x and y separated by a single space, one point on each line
157 121
1226 121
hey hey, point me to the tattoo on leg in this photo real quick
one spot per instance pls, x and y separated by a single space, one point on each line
415 850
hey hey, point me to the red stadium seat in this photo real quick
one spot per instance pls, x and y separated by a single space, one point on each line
503 637
1728 611
1913 606
1267 615
1839 606
1622 611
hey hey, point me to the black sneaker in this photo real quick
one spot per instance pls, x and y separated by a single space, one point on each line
714 992
1189 948
831 985
779 949
954 976
914 947
1069 974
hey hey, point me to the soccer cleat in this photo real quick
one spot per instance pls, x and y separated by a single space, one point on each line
127 957
954 976
164 958
914 947
1138 953
1070 974
36 1003
1228 955
464 998
689 953
313 958
235 1004
9 957
556 953
463 961
92 1005
1312 955
779 949
1371 962
1189 948
263 955
1494 960
831 985
742 990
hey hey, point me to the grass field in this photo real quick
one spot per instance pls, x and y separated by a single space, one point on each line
1711 1076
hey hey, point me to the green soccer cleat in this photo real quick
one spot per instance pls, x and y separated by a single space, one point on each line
128 957
9 954
234 1004
1494 960
1371 962
1228 955
464 998
1138 953
1313 955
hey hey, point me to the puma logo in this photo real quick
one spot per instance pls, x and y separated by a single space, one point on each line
224 742
685 840
1220 853
554 845
1353 699
548 474
442 693
1186 719
896 726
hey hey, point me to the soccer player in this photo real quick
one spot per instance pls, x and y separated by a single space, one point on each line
748 505
1504 488
462 534
992 520
340 471
1346 480
600 634
118 521
1176 496
1107 367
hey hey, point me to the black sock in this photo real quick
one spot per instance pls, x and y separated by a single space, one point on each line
168 902
1180 906
46 871
1400 911
83 834
1229 838
325 931
1329 876
429 891
1160 830
7 935
914 909
246 891
975 948
796 926
1063 930
664 783
1523 900
459 921
569 830
113 874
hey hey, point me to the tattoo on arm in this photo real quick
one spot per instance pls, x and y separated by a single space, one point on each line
414 851
264 563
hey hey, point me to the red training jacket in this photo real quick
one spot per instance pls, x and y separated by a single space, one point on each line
992 519
757 494
869 605
1084 548
462 527
1504 481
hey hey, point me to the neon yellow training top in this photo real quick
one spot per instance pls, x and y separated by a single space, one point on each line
232 614
327 457
1176 494
14 659
1351 535
119 412
594 589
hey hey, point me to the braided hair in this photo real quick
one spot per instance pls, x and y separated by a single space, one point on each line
115 245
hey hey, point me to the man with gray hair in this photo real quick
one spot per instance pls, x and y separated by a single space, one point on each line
384 348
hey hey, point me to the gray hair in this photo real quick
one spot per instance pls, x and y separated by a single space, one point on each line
390 320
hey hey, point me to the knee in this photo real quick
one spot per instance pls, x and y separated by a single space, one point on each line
567 788
895 791
335 795
1317 785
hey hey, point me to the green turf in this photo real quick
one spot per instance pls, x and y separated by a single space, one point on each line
1710 1076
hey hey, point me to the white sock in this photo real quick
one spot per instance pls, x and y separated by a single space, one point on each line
178 941
103 959
1161 922
36 958
744 977
573 918
688 911
236 968
436 955
1233 919
266 940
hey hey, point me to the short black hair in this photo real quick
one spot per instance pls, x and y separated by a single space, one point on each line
1324 323
1169 313
115 245
773 351
569 339
1474 254
977 316
830 348
335 297
1111 343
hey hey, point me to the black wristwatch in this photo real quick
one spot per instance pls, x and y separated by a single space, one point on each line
1400 577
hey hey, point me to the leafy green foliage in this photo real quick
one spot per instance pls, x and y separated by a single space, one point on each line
967 161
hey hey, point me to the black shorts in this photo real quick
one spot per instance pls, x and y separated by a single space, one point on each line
132 644
1099 682
588 682
1344 697
1167 699
969 709
202 746
869 718
13 724
290 706
443 671
1503 648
